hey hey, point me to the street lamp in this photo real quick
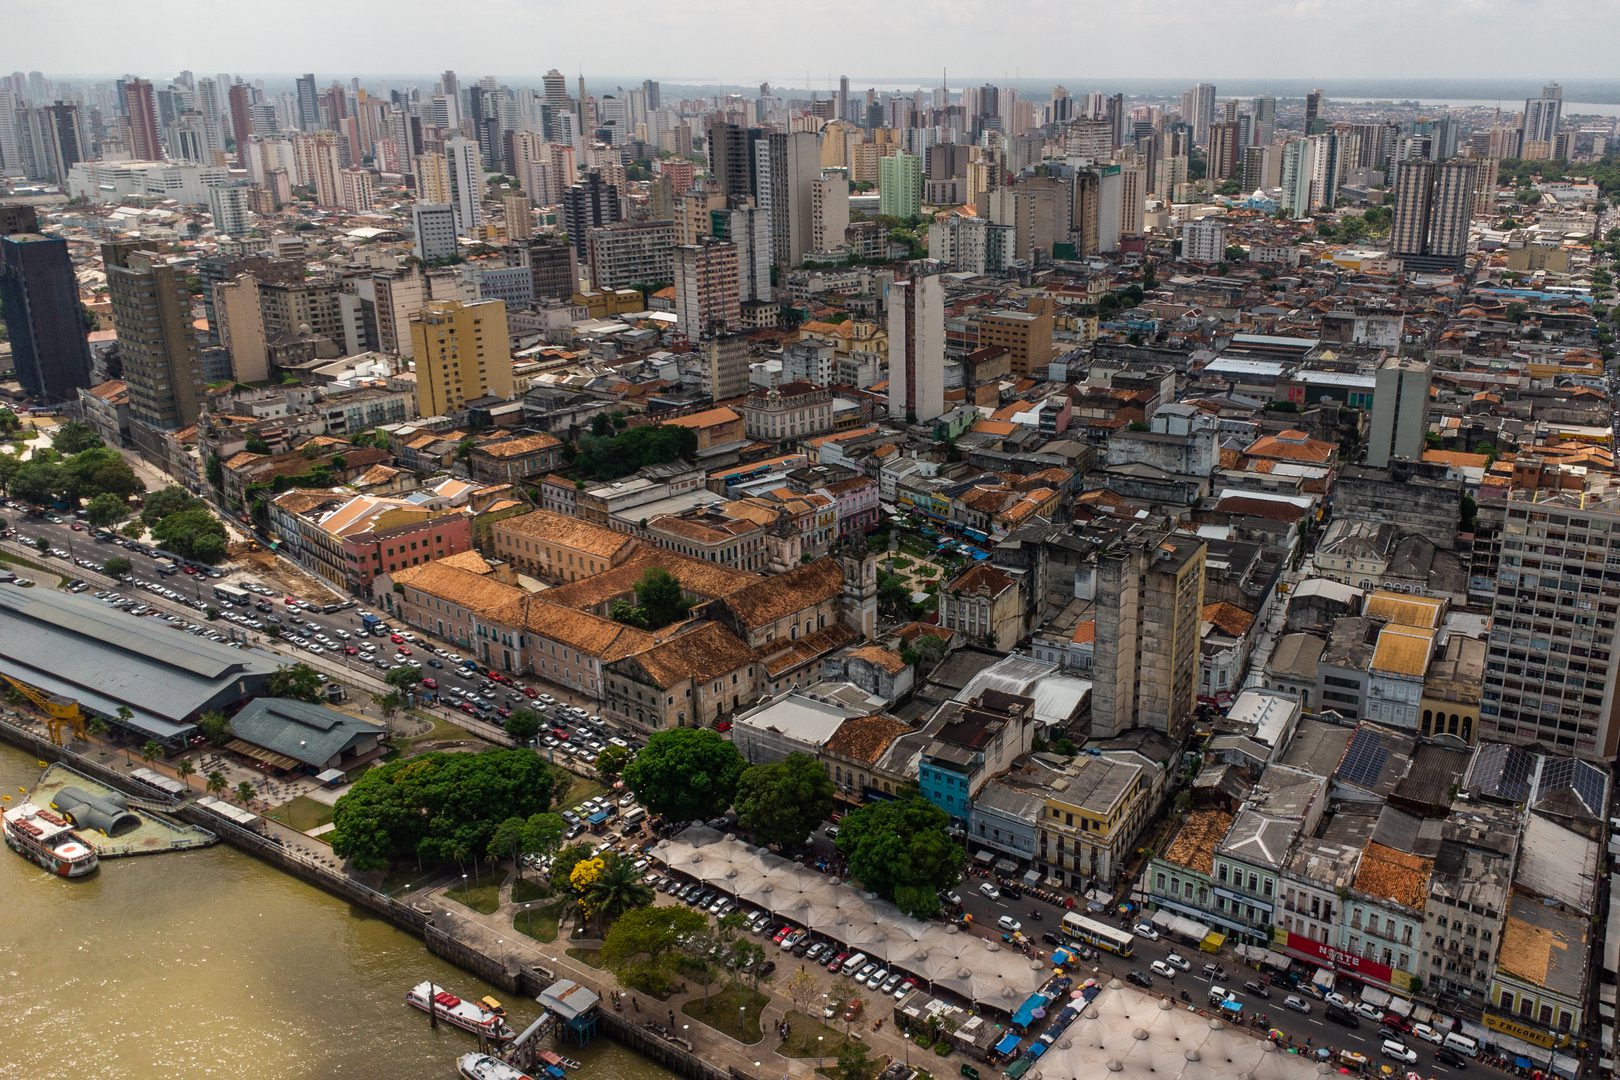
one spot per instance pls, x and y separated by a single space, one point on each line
819 1059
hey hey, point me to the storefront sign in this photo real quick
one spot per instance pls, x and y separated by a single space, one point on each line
1349 963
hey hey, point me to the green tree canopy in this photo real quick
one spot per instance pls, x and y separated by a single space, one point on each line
437 805
403 678
616 890
685 773
643 947
660 600
106 510
523 725
623 454
74 436
117 566
168 501
99 471
298 681
783 801
563 865
611 761
901 851
193 534
39 483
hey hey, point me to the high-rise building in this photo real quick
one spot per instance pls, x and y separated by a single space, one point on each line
585 205
66 142
1198 111
1225 151
1543 116
1310 174
629 253
1314 124
434 227
1552 665
357 193
240 322
240 99
309 109
141 101
707 293
40 299
1264 127
1203 241
731 158
228 204
1400 412
900 185
518 216
462 354
466 168
917 348
433 178
1433 204
786 166
829 212
748 228
316 159
152 312
1149 602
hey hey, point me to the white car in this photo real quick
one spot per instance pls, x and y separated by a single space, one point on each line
1428 1034
1009 924
1159 967
1143 930
1399 1051
1369 1012
989 889
1176 960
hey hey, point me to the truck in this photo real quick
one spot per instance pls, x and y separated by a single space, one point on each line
370 622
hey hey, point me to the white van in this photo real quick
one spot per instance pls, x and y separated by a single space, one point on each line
1463 1044
634 817
854 963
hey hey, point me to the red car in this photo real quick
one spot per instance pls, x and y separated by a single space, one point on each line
782 932
530 692
503 712
351 650
77 527
722 725
189 569
1399 1023
289 601
504 680
430 683
404 650
561 733
837 962
396 639
468 709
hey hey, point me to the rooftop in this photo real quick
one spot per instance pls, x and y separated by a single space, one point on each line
1196 840
1394 875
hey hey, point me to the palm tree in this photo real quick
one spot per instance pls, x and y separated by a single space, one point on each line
151 750
617 889
217 782
184 768
97 728
244 792
125 715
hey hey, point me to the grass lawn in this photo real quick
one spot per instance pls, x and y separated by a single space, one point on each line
442 731
528 890
483 899
593 957
540 922
302 813
802 1042
733 1012
19 564
580 788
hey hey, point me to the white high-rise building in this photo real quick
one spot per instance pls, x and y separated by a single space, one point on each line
1198 110
466 192
434 225
356 191
228 204
1543 115
1203 241
917 348
829 212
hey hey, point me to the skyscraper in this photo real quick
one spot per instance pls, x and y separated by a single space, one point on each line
1433 204
587 204
900 185
731 159
1400 412
461 352
1225 154
240 99
309 109
786 166
1198 111
141 101
40 298
152 312
917 348
65 137
1314 124
434 226
1542 117
707 299
1264 127
466 168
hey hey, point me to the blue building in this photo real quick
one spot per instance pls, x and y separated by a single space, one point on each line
968 744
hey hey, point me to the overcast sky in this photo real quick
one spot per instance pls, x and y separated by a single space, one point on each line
783 42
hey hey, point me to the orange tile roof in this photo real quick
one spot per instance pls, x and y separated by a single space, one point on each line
772 598
865 738
1394 875
1228 618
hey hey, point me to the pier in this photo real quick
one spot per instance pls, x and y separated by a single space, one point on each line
153 835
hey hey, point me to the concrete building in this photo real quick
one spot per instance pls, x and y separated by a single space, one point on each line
630 253
1433 205
829 213
152 311
240 321
461 353
228 206
917 349
984 604
434 227
465 192
40 298
707 293
1400 412
1026 335
1149 601
1203 241
787 165
900 185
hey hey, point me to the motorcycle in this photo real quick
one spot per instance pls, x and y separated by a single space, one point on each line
1036 915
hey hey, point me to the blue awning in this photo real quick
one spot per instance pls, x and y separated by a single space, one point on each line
1037 1049
1008 1044
1026 1012
599 817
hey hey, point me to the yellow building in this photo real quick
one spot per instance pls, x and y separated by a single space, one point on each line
461 353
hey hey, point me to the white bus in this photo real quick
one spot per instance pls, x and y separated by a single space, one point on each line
1099 934
230 594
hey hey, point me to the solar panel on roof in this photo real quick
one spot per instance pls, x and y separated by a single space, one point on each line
1586 782
1517 767
1365 759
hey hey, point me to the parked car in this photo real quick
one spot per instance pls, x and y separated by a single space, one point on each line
1145 930
1162 969
1258 989
1368 1012
1009 924
989 890
1137 978
1297 1003
1399 1051
1428 1034
1176 960
1447 1056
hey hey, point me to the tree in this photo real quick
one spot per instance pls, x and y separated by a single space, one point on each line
614 890
185 769
192 534
245 792
642 946
106 510
297 681
507 842
543 833
611 761
151 750
98 471
893 596
801 988
523 725
217 783
73 437
166 502
900 850
783 801
660 600
215 728
854 1062
10 465
37 482
562 867
924 653
10 424
403 678
389 705
621 455
685 774
116 567
437 804
41 544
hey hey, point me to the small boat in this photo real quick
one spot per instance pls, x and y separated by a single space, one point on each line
555 1061
47 838
485 1067
459 1012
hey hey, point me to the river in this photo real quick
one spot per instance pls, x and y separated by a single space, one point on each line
212 964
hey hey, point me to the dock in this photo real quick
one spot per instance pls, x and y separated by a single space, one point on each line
141 829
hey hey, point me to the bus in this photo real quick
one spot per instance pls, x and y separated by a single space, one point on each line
1099 934
230 594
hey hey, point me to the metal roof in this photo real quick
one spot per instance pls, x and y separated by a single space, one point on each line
309 734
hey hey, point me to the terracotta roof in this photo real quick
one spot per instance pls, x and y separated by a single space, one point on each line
770 599
1196 840
785 654
981 576
1291 445
1271 509
526 444
708 651
592 539
1085 632
706 418
1228 618
865 738
476 592
885 659
1403 650
590 635
1526 950
1394 875
698 577
470 561
1402 609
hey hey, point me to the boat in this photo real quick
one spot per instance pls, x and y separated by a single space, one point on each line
485 1067
555 1063
459 1012
45 837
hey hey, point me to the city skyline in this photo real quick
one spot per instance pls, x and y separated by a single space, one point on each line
772 37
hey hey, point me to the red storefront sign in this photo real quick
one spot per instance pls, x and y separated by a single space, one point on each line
1339 960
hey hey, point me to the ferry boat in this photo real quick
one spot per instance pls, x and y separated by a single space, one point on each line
459 1012
485 1067
45 837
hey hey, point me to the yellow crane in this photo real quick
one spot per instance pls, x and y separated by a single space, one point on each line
60 712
